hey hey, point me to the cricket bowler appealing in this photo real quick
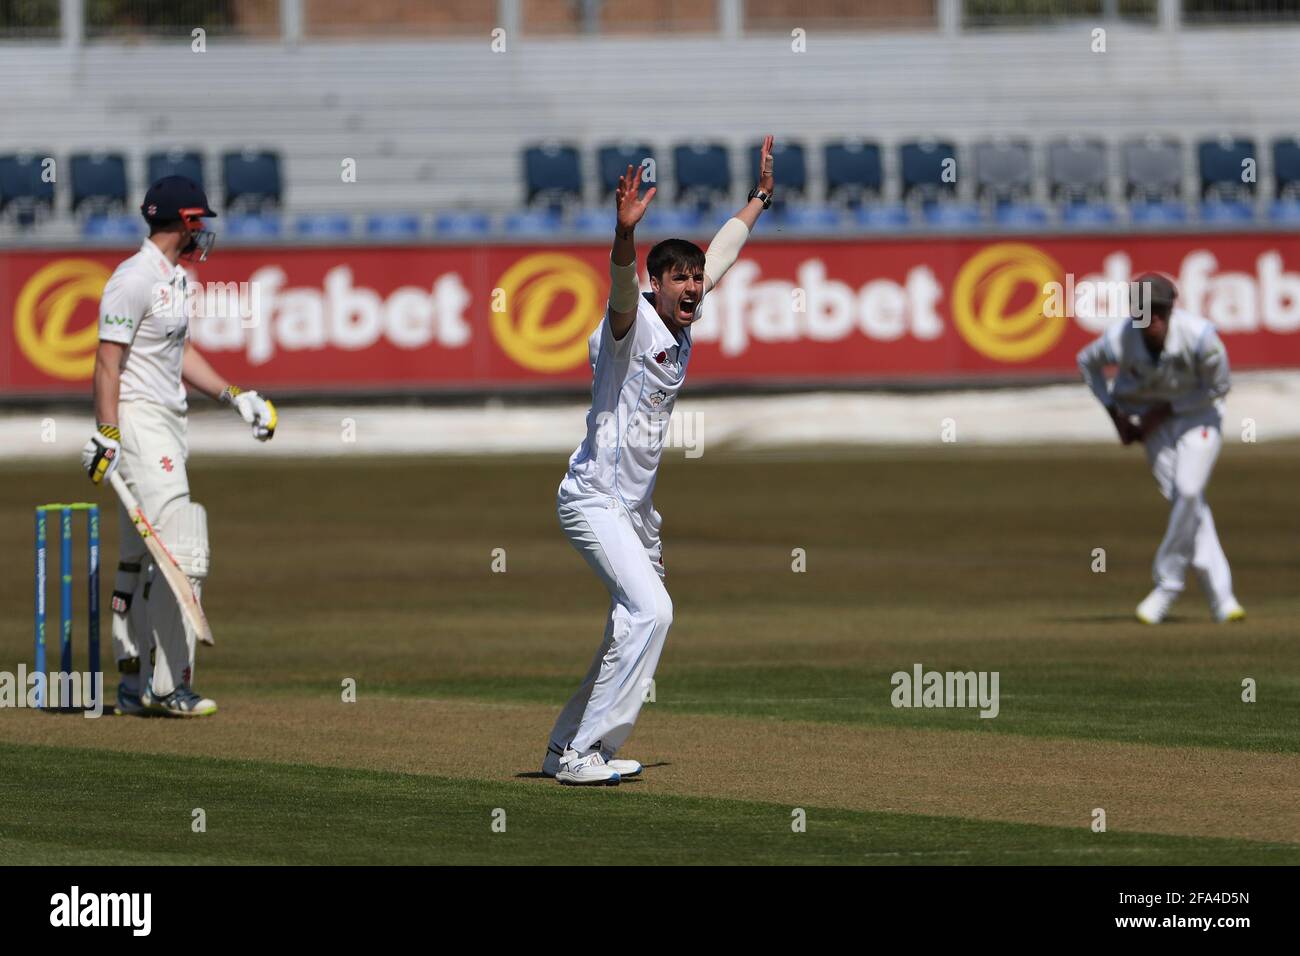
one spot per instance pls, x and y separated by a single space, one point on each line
639 356
142 365
1172 375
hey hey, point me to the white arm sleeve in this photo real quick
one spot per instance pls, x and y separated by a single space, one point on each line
623 287
724 250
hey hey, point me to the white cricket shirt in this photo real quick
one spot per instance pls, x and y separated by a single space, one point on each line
1191 372
145 307
634 385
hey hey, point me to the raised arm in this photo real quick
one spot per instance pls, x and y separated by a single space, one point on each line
726 245
624 290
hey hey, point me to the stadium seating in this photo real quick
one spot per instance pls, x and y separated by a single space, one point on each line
998 187
252 180
398 225
24 192
1223 165
613 159
929 169
323 225
175 162
113 228
552 174
702 173
98 182
1286 166
533 223
790 170
250 227
853 171
460 224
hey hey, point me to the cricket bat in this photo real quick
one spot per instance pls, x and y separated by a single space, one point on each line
176 578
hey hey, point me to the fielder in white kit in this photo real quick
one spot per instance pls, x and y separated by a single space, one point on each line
1172 378
639 356
142 365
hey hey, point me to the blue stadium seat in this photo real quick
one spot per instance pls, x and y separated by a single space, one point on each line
790 169
1153 169
1223 163
175 162
396 225
1020 215
1157 213
613 159
663 220
1088 214
924 164
98 181
599 221
552 174
1225 212
109 227
1286 166
1285 211
702 173
323 225
952 215
252 180
240 226
853 171
533 222
463 224
22 189
882 217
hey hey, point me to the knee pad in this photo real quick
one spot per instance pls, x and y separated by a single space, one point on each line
185 532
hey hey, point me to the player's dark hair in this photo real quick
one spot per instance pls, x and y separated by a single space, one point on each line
1156 292
674 254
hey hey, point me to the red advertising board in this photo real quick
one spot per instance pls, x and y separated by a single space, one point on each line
428 318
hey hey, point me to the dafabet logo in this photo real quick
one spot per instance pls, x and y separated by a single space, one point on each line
44 312
536 289
998 302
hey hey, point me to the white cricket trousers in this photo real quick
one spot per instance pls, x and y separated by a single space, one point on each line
1182 454
154 450
600 715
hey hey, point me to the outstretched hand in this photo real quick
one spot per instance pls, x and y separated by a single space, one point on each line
766 179
631 207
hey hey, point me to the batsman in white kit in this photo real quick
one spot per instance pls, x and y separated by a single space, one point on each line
639 355
1168 394
142 366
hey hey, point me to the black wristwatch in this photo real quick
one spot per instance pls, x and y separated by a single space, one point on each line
757 193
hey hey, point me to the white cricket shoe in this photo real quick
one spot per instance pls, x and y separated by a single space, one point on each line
1231 611
625 769
586 770
182 702
1156 605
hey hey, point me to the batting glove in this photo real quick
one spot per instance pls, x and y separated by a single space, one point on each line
256 410
100 454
